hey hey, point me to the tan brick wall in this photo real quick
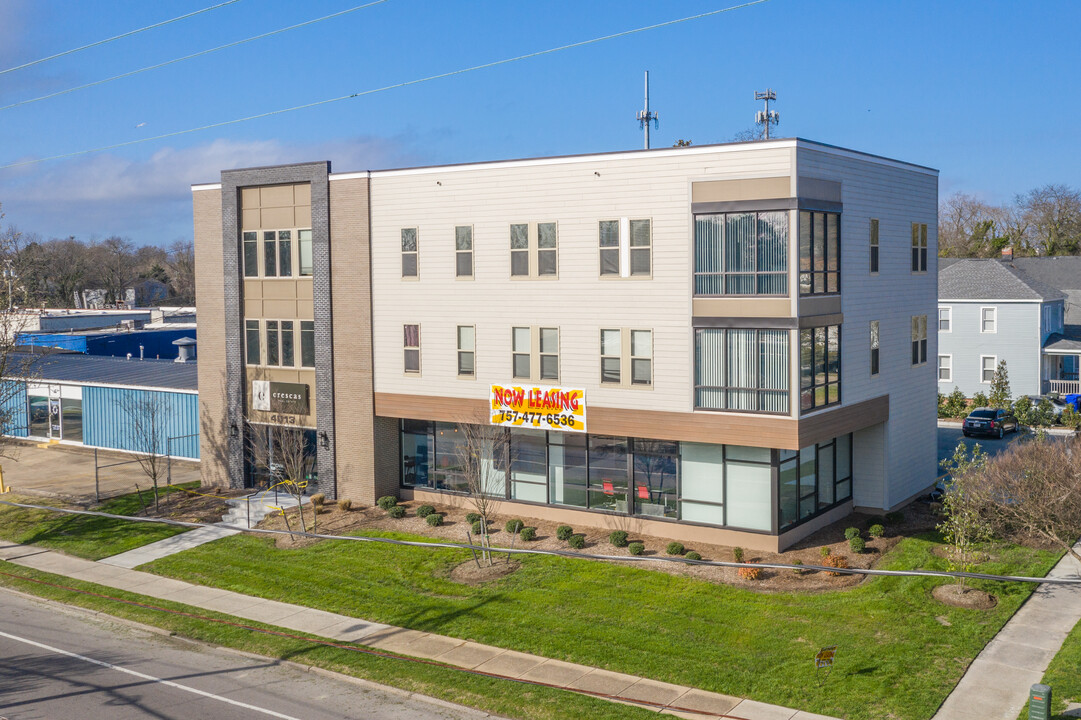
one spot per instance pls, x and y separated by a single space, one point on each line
210 297
351 306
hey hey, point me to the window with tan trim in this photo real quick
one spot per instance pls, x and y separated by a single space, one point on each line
463 251
534 250
410 253
467 344
411 347
535 353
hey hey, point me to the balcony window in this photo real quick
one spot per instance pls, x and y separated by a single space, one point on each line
820 367
819 253
741 370
741 254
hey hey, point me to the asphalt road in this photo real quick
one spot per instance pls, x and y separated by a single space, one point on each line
949 437
56 663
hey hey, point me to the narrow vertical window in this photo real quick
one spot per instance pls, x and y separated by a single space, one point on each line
520 352
945 368
987 368
820 253
611 351
467 342
285 253
945 319
463 251
549 353
547 260
820 367
304 242
409 252
609 244
519 250
411 345
874 246
272 354
641 357
307 343
874 347
270 254
919 339
251 254
251 337
919 247
641 244
287 343
988 320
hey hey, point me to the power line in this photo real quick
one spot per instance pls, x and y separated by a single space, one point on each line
117 37
407 83
189 57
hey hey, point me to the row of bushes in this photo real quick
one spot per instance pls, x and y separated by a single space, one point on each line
1041 414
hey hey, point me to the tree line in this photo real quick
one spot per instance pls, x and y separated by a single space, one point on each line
1043 221
50 273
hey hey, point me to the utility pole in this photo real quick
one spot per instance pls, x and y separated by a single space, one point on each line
767 117
645 117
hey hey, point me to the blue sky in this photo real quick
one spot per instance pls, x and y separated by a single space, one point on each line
988 92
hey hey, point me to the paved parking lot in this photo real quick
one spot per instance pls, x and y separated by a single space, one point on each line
67 471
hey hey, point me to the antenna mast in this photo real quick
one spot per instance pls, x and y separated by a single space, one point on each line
767 117
645 117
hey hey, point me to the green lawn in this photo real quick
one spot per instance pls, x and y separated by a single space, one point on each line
897 657
500 697
92 538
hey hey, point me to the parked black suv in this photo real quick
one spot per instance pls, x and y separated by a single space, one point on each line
989 421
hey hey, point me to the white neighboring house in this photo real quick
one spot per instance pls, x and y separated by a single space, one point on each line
993 310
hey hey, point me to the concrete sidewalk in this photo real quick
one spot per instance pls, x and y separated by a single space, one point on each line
997 682
451 651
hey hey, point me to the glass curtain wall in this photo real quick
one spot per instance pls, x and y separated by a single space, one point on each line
741 254
814 479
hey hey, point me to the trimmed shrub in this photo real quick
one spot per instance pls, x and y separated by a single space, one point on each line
749 573
433 519
396 511
692 555
387 502
564 532
319 500
824 551
473 517
577 541
674 548
798 570
876 520
851 533
345 504
478 527
894 518
857 545
876 531
737 554
636 548
528 533
425 510
837 561
514 525
618 538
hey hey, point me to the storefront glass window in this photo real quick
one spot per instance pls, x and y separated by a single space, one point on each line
749 493
72 424
39 415
608 473
417 444
656 470
567 473
528 465
449 458
702 478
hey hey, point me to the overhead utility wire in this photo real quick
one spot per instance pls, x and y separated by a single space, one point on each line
117 37
566 553
189 57
407 83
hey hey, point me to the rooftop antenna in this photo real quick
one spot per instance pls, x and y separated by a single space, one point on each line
647 116
766 117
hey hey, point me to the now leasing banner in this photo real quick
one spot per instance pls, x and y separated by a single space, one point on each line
546 408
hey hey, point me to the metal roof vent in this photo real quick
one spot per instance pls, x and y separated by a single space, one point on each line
186 348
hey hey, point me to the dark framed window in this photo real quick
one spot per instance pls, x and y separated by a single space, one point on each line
656 475
813 479
874 347
819 253
820 367
741 253
874 246
737 369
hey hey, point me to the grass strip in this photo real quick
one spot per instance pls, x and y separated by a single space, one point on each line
900 651
87 537
501 697
1063 677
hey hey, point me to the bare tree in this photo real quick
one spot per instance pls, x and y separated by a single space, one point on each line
483 455
148 414
1053 212
284 453
1033 489
117 266
963 526
181 267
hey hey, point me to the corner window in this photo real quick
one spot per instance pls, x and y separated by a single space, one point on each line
463 251
988 363
874 246
919 247
945 319
741 370
411 346
988 319
611 356
410 253
945 368
919 339
874 347
741 254
467 342
304 246
520 355
251 341
307 343
820 367
251 254
819 252
549 353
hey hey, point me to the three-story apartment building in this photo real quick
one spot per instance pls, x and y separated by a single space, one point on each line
724 343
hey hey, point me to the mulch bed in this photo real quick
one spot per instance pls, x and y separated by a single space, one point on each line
205 505
964 597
